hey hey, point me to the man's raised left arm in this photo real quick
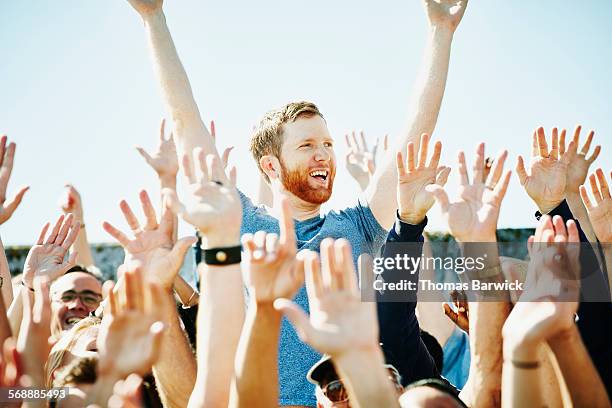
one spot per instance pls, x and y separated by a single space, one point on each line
444 17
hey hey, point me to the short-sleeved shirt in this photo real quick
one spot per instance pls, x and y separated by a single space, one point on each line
357 225
456 352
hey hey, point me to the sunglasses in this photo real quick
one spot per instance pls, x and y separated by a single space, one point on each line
336 392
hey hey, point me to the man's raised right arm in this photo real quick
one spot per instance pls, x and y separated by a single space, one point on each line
190 131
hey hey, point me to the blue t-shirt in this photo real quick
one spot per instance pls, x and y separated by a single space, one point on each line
456 366
357 225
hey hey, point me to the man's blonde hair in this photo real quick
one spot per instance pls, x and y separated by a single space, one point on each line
268 135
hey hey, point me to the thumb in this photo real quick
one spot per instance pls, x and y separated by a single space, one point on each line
12 205
371 167
298 318
181 247
172 201
440 196
144 154
442 176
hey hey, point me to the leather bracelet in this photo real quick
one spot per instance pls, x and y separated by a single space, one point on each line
222 256
526 365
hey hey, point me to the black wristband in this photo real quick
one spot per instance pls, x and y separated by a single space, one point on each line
222 256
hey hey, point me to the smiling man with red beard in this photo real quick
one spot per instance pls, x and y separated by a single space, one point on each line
294 150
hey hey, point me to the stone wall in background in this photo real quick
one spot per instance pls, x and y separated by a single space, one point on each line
109 257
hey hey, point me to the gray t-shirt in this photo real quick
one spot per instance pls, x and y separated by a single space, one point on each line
357 225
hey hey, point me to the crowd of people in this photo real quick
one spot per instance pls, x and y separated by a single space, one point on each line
281 315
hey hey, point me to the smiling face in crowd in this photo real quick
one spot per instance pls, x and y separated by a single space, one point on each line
73 297
308 161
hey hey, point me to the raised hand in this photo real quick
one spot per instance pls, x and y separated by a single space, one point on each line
146 7
7 156
550 300
130 335
270 267
46 258
413 199
446 13
360 161
547 178
473 217
460 313
339 321
152 245
164 161
212 203
71 202
600 213
578 166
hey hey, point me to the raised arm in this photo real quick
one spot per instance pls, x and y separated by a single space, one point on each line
213 207
577 170
600 214
190 131
72 203
152 247
271 271
7 208
444 17
342 325
472 220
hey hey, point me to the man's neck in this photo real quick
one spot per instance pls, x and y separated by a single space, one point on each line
300 210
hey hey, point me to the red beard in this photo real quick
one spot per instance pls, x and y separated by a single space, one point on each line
296 182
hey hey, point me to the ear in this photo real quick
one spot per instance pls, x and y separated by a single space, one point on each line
271 166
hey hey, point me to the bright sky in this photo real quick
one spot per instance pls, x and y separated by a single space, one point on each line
78 91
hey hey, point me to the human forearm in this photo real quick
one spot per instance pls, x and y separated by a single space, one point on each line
15 313
190 131
5 275
187 295
424 109
366 378
521 381
175 370
221 310
584 383
257 358
580 213
82 248
488 312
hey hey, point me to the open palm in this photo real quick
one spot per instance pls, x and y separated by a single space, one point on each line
270 265
46 258
600 211
152 245
473 216
339 321
413 177
547 177
578 166
211 204
164 161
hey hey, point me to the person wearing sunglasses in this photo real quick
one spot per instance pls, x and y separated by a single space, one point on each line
330 390
73 297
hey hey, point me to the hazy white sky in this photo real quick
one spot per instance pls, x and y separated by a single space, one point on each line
78 91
